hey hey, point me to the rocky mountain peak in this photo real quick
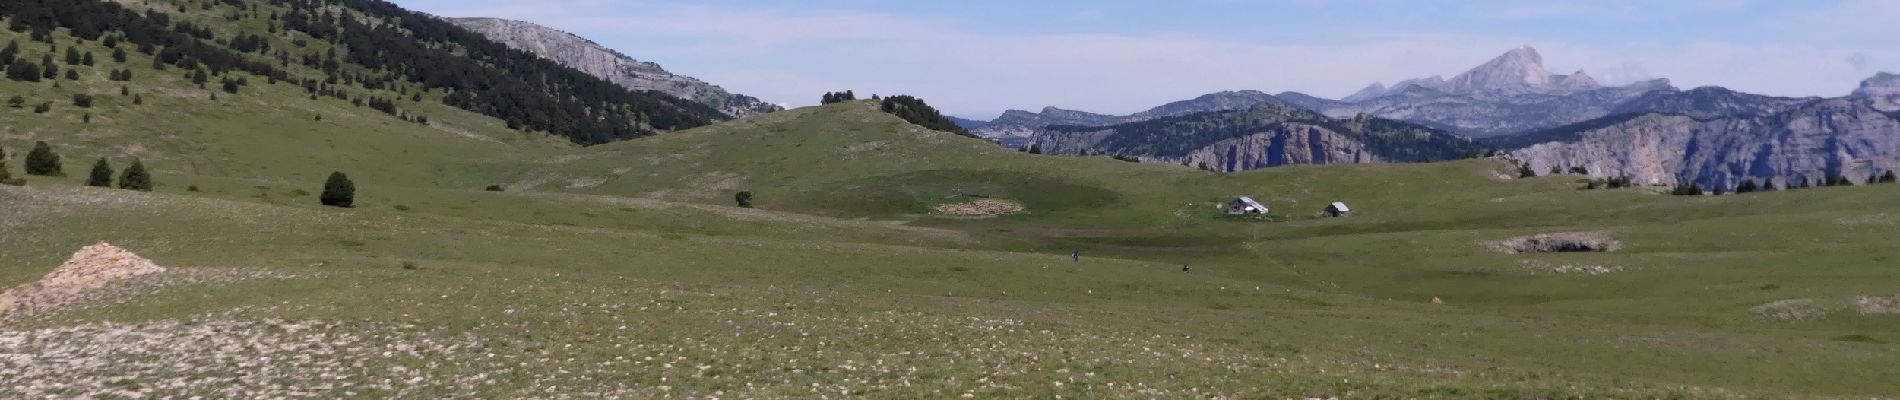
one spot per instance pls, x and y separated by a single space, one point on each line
1370 92
1520 68
1577 81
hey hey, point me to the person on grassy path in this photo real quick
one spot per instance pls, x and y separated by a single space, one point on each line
1076 255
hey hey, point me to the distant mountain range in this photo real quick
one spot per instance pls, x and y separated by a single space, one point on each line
1512 93
592 58
1649 131
1269 134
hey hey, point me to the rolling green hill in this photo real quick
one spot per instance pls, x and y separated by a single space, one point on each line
624 270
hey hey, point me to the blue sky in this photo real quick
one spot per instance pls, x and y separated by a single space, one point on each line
978 58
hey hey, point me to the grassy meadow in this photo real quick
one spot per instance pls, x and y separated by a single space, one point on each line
624 270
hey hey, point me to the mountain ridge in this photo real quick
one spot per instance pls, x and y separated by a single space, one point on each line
594 59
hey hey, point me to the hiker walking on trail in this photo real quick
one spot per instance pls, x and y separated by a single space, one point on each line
1077 256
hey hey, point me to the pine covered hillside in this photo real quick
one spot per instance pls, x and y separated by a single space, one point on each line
366 52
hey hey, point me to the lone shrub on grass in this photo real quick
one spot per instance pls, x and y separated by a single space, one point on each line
135 178
338 191
744 199
101 174
42 161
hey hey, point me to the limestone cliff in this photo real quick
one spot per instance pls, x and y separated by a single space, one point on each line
589 57
1834 137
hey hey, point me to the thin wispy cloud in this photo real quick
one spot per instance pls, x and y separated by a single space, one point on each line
1540 11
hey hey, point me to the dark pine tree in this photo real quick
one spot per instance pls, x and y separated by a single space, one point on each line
1768 185
135 177
42 161
1747 186
338 191
101 174
1888 177
23 71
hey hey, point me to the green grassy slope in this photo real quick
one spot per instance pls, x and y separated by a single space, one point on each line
843 282
844 249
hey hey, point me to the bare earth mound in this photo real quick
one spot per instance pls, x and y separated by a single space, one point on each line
981 208
92 268
1572 242
1872 305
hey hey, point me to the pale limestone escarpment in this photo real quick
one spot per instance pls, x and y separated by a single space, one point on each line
1844 137
594 59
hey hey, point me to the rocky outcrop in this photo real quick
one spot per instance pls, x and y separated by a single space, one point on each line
589 57
1014 127
1286 144
1709 102
1819 139
1882 91
1268 135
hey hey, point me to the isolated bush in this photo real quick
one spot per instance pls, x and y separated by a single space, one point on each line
135 177
338 191
744 199
16 102
101 174
1524 171
82 100
42 161
493 188
23 71
1687 189
1887 178
1579 171
4 174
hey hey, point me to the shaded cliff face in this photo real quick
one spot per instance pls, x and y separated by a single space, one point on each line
1268 135
1710 102
1015 127
1286 144
1277 145
585 55
1844 137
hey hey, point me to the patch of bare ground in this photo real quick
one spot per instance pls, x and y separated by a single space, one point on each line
1569 242
1875 305
1542 268
981 208
1792 310
225 359
1874 219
